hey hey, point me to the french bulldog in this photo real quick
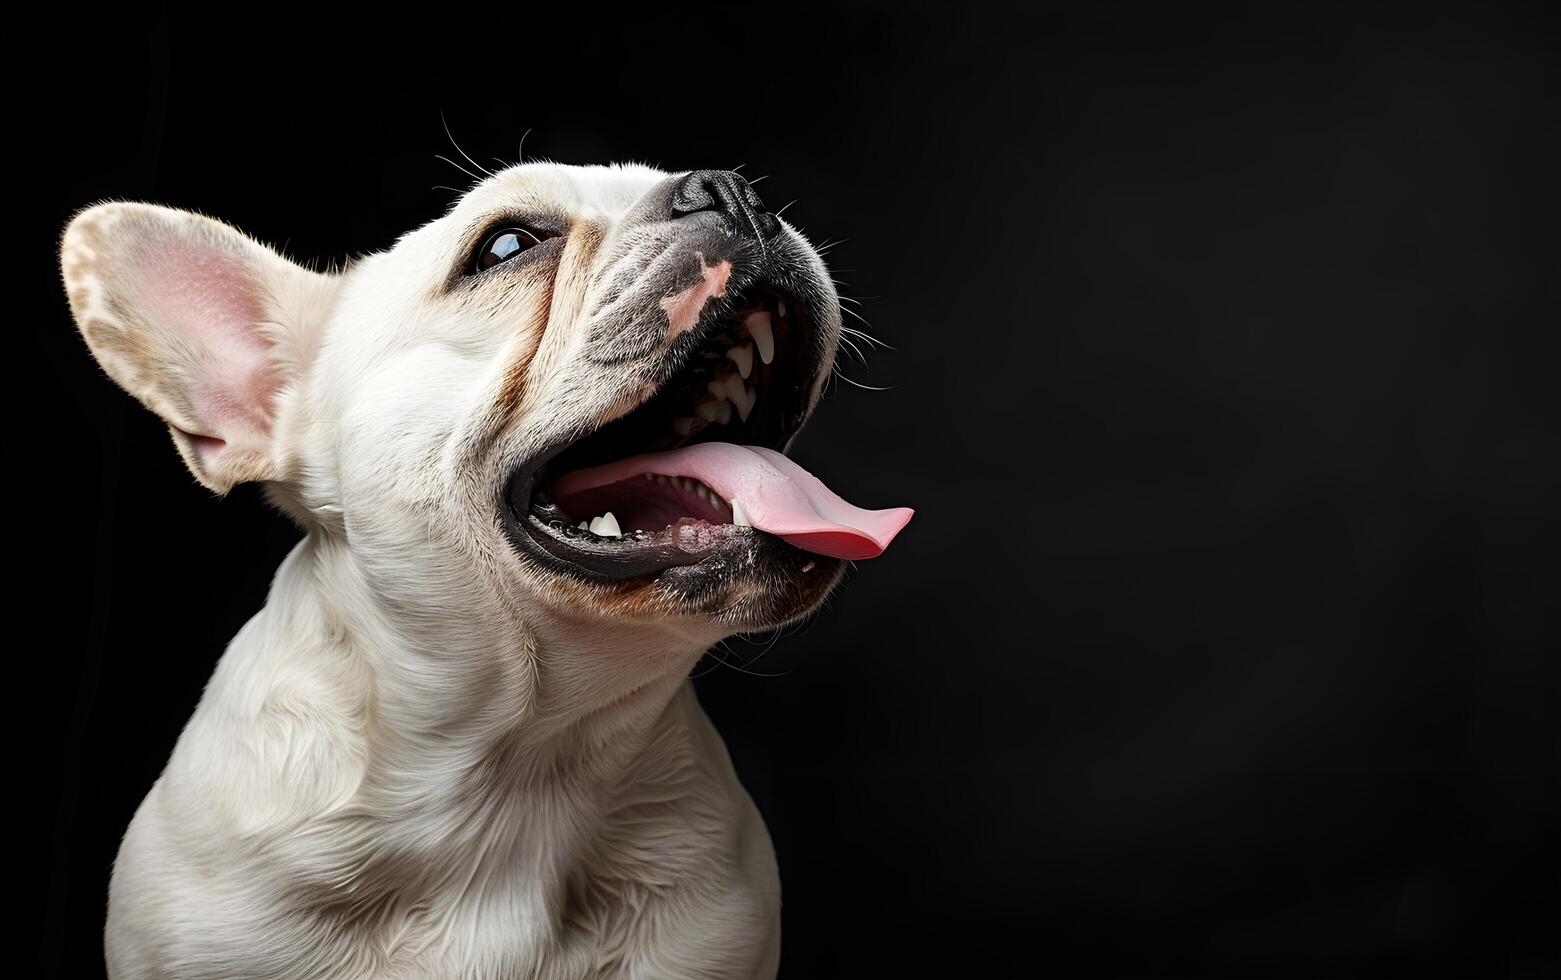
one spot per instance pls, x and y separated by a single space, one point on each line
537 449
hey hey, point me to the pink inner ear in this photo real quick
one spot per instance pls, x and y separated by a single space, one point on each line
210 301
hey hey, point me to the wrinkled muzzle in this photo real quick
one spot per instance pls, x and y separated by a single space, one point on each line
709 328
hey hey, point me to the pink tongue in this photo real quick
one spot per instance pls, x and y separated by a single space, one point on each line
776 495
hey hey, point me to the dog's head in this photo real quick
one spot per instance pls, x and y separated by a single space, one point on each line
466 409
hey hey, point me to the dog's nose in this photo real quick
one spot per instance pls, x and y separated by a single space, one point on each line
725 193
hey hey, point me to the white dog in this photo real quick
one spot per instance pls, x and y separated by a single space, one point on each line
536 449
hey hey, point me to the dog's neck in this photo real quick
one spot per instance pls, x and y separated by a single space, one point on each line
449 750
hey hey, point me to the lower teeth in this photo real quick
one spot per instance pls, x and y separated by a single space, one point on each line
606 526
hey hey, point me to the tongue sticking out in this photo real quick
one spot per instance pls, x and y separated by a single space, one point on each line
771 491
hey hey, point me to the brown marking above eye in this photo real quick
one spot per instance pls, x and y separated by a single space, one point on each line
506 243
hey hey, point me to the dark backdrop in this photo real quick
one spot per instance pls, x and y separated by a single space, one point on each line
1221 383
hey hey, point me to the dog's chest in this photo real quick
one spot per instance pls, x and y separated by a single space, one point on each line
672 871
655 890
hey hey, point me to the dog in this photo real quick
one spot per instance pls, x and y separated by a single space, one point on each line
537 450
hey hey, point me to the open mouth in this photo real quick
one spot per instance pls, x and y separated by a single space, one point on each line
698 468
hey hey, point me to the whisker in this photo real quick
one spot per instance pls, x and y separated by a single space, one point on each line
458 167
458 146
854 349
737 667
866 338
863 333
775 638
858 384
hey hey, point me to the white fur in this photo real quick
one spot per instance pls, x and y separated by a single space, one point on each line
425 756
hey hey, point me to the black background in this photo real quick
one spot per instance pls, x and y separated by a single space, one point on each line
1222 385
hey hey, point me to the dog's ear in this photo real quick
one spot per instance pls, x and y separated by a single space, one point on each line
203 325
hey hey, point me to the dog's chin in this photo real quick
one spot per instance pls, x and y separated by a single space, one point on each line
659 539
759 582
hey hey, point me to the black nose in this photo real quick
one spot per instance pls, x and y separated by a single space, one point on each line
726 193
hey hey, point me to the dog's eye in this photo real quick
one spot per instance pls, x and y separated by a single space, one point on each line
506 244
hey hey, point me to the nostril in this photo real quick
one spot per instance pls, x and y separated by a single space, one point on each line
724 192
695 193
714 190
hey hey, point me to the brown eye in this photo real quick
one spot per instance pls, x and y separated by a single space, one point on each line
506 244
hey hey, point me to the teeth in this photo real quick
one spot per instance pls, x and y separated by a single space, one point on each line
731 387
738 517
714 410
726 385
683 426
606 526
743 358
687 484
780 307
758 325
584 525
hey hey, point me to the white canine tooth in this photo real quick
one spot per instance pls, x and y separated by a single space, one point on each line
738 517
743 358
683 426
733 391
732 388
711 411
584 525
758 325
726 412
780 307
606 526
745 401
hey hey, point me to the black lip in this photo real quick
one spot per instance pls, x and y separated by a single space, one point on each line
557 545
